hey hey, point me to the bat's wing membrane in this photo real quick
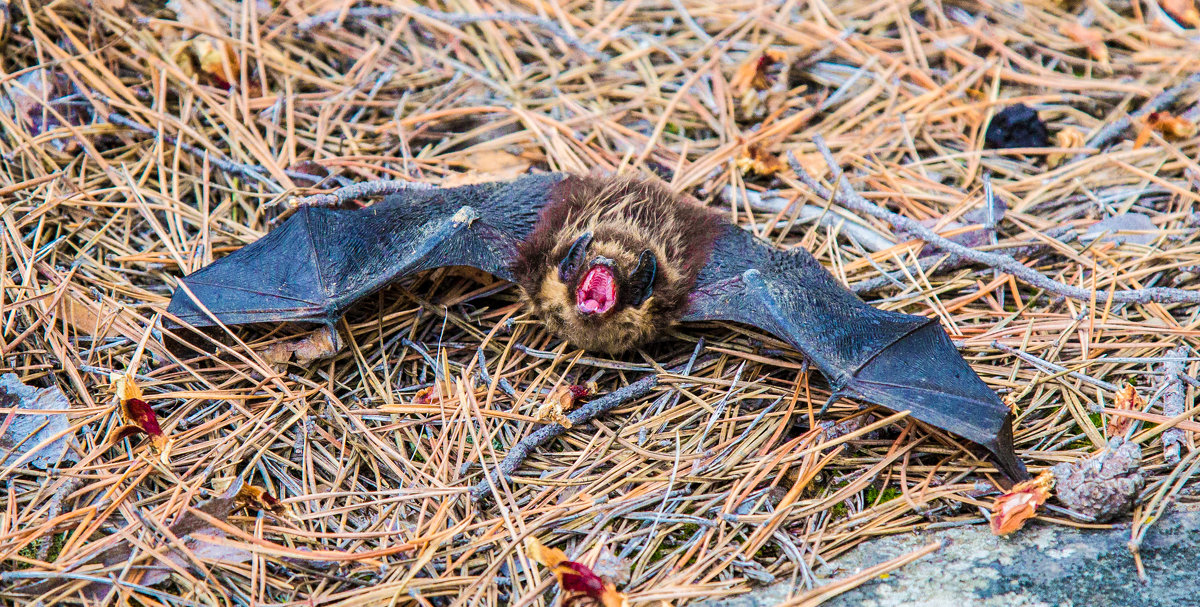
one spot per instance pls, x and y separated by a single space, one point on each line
320 261
899 361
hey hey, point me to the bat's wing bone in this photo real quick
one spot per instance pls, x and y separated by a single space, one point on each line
899 361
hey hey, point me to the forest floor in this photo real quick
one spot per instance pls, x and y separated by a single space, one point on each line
139 143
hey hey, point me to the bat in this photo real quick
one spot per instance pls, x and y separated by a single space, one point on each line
608 263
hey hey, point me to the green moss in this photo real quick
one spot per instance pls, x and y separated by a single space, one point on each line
57 542
875 496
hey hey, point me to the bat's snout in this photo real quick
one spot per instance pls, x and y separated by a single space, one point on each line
597 291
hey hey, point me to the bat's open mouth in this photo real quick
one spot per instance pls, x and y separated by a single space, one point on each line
597 292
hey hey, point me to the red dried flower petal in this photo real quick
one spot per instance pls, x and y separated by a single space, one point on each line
141 415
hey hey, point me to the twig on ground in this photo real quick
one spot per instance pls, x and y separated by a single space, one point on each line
1156 103
1173 402
854 201
1051 367
946 264
250 171
379 12
523 448
360 191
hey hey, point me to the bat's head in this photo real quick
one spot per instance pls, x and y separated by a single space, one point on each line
600 285
599 293
611 262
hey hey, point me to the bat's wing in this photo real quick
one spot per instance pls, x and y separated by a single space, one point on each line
320 261
899 361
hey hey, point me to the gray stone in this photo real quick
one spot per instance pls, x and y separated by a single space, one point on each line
1043 565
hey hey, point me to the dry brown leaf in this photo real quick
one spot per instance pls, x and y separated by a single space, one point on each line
210 60
318 345
140 419
124 386
252 497
814 164
193 529
561 401
1069 137
755 73
487 165
429 395
1182 11
85 317
138 415
574 577
1011 510
1171 127
38 99
1089 38
755 160
1126 400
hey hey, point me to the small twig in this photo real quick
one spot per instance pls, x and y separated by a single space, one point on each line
380 12
520 451
946 264
1156 103
854 201
360 191
250 171
1049 366
1173 402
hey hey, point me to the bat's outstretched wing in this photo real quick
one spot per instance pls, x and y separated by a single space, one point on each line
899 361
320 261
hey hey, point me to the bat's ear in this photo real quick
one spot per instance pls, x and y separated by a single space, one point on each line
575 258
641 281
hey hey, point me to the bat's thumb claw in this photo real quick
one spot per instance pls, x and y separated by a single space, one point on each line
466 215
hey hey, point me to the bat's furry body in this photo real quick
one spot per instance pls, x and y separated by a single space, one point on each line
609 264
625 217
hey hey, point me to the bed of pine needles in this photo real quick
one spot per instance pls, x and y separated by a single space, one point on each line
189 130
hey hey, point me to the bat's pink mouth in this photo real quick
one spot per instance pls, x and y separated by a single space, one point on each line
597 292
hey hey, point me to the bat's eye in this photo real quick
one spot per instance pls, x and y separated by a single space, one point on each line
569 266
641 281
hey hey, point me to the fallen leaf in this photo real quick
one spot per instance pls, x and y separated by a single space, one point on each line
190 527
86 317
140 419
1069 137
1011 510
574 577
256 498
208 59
1182 11
560 402
1118 227
38 99
26 428
318 345
124 386
1089 38
1016 126
755 160
814 164
112 5
1127 400
487 165
430 394
321 344
1104 486
755 74
1171 127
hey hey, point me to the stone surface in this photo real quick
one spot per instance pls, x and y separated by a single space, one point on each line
1043 565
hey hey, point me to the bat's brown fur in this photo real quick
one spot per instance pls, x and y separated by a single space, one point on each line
625 216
